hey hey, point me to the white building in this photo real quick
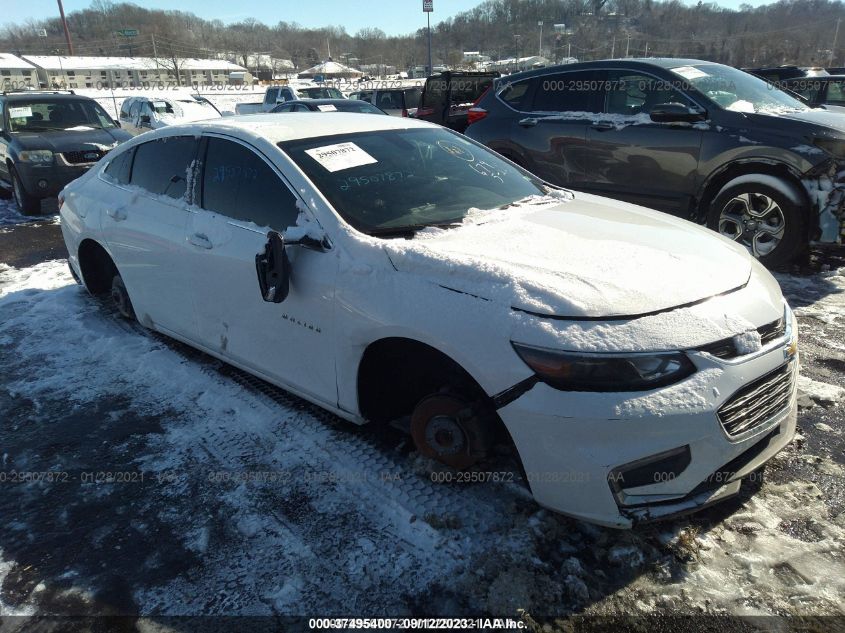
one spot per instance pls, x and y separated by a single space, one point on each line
124 72
16 73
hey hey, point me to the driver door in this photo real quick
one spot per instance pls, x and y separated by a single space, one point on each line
629 157
242 196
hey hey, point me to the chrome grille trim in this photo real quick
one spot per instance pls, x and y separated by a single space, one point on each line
758 402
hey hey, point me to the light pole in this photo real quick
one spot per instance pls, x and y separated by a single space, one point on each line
428 8
516 38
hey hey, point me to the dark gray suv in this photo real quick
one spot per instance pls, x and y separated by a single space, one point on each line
48 139
696 139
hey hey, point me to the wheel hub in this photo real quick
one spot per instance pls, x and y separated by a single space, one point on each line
447 428
755 220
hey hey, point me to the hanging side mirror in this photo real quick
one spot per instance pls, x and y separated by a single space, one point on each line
273 269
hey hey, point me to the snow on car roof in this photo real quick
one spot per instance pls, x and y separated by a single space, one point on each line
300 125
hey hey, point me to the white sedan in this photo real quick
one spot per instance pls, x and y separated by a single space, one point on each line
392 270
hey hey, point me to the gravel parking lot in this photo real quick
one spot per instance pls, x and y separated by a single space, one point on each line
163 482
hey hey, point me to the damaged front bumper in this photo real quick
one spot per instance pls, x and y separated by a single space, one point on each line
826 187
619 459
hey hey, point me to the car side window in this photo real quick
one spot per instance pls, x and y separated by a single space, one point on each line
161 166
567 92
135 109
514 94
239 184
120 167
272 94
836 93
630 93
124 108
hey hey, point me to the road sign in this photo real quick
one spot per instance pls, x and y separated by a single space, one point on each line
128 32
428 6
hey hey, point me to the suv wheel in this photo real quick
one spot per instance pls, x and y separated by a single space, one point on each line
29 205
768 220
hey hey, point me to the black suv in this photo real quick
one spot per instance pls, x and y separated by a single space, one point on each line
48 139
696 139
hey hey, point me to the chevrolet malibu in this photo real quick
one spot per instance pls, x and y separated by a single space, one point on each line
394 272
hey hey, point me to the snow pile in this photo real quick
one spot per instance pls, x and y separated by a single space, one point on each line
820 392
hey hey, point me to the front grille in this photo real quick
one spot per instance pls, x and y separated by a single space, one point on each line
756 403
726 348
83 156
772 331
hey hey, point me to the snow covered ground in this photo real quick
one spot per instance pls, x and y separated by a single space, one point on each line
170 484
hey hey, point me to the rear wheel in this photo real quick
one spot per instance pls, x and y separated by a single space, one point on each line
120 298
28 204
769 221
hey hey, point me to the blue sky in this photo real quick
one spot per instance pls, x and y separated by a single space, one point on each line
392 16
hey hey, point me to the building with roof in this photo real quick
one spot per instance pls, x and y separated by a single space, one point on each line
55 71
15 73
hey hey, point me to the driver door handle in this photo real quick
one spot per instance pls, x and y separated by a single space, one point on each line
117 215
529 122
601 126
201 240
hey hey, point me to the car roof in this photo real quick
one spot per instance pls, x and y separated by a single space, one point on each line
298 125
641 63
29 95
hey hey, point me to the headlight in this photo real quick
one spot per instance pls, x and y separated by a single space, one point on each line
570 371
834 147
36 156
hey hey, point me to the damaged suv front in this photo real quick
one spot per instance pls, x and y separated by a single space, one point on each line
825 185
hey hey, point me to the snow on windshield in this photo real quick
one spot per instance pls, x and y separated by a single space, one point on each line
736 90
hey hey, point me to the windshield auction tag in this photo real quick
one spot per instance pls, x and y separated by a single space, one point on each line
20 113
340 156
689 72
328 107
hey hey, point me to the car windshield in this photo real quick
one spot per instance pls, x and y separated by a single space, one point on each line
389 181
320 93
737 90
39 115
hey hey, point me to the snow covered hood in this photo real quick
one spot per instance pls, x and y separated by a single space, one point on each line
587 258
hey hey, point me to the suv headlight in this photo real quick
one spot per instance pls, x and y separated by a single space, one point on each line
571 371
36 156
834 147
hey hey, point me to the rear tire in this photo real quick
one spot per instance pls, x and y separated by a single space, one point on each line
769 221
28 204
120 298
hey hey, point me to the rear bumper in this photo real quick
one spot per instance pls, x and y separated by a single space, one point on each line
669 446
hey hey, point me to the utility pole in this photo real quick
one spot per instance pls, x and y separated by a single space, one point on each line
67 32
628 45
540 24
835 37
613 48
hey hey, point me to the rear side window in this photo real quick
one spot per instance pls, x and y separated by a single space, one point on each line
161 167
567 92
124 108
390 100
238 183
120 167
514 94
